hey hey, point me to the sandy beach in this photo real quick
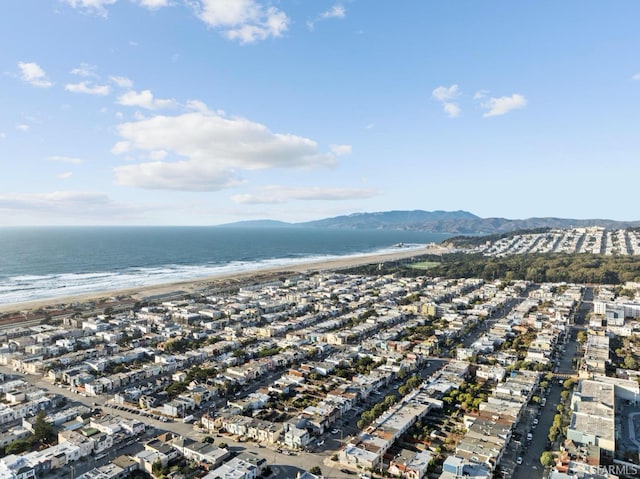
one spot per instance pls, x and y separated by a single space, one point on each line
199 283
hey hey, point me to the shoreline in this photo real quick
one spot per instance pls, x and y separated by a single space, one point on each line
191 285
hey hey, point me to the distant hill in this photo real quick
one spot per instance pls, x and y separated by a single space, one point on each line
451 222
418 220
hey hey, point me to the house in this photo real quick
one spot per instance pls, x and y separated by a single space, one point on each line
410 464
295 436
236 468
199 451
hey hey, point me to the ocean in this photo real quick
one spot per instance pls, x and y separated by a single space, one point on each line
49 262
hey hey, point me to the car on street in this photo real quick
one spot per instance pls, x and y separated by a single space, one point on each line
320 443
335 431
347 471
529 436
519 460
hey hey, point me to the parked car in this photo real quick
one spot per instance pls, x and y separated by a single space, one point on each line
519 460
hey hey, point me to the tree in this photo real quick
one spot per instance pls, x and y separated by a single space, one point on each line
156 468
630 362
18 446
316 470
42 430
547 459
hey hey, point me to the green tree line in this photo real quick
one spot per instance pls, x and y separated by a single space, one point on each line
539 268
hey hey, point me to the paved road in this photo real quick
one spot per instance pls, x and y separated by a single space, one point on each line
532 450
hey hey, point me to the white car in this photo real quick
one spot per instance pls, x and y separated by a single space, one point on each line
535 422
519 460
320 443
529 436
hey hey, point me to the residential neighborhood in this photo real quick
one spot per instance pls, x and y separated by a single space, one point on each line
330 374
595 240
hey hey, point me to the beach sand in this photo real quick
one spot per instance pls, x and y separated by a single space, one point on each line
199 283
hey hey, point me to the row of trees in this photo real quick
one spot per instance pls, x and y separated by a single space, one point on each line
539 268
367 417
550 267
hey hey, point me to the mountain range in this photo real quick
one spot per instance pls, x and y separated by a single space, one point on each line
452 222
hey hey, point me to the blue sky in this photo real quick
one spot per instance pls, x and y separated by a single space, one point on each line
197 112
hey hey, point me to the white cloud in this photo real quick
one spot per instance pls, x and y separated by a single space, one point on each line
283 194
121 147
71 202
503 105
92 6
65 159
480 94
145 99
72 207
88 88
179 175
451 109
340 150
23 127
85 70
247 21
33 74
158 155
197 105
65 175
215 149
3 135
446 93
122 82
636 76
337 11
153 4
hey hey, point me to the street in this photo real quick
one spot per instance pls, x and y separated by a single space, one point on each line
530 451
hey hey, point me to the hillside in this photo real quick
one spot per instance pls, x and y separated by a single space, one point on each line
452 222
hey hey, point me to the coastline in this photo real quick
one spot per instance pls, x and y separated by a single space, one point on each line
191 285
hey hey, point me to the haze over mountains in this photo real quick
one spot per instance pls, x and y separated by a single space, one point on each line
453 222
